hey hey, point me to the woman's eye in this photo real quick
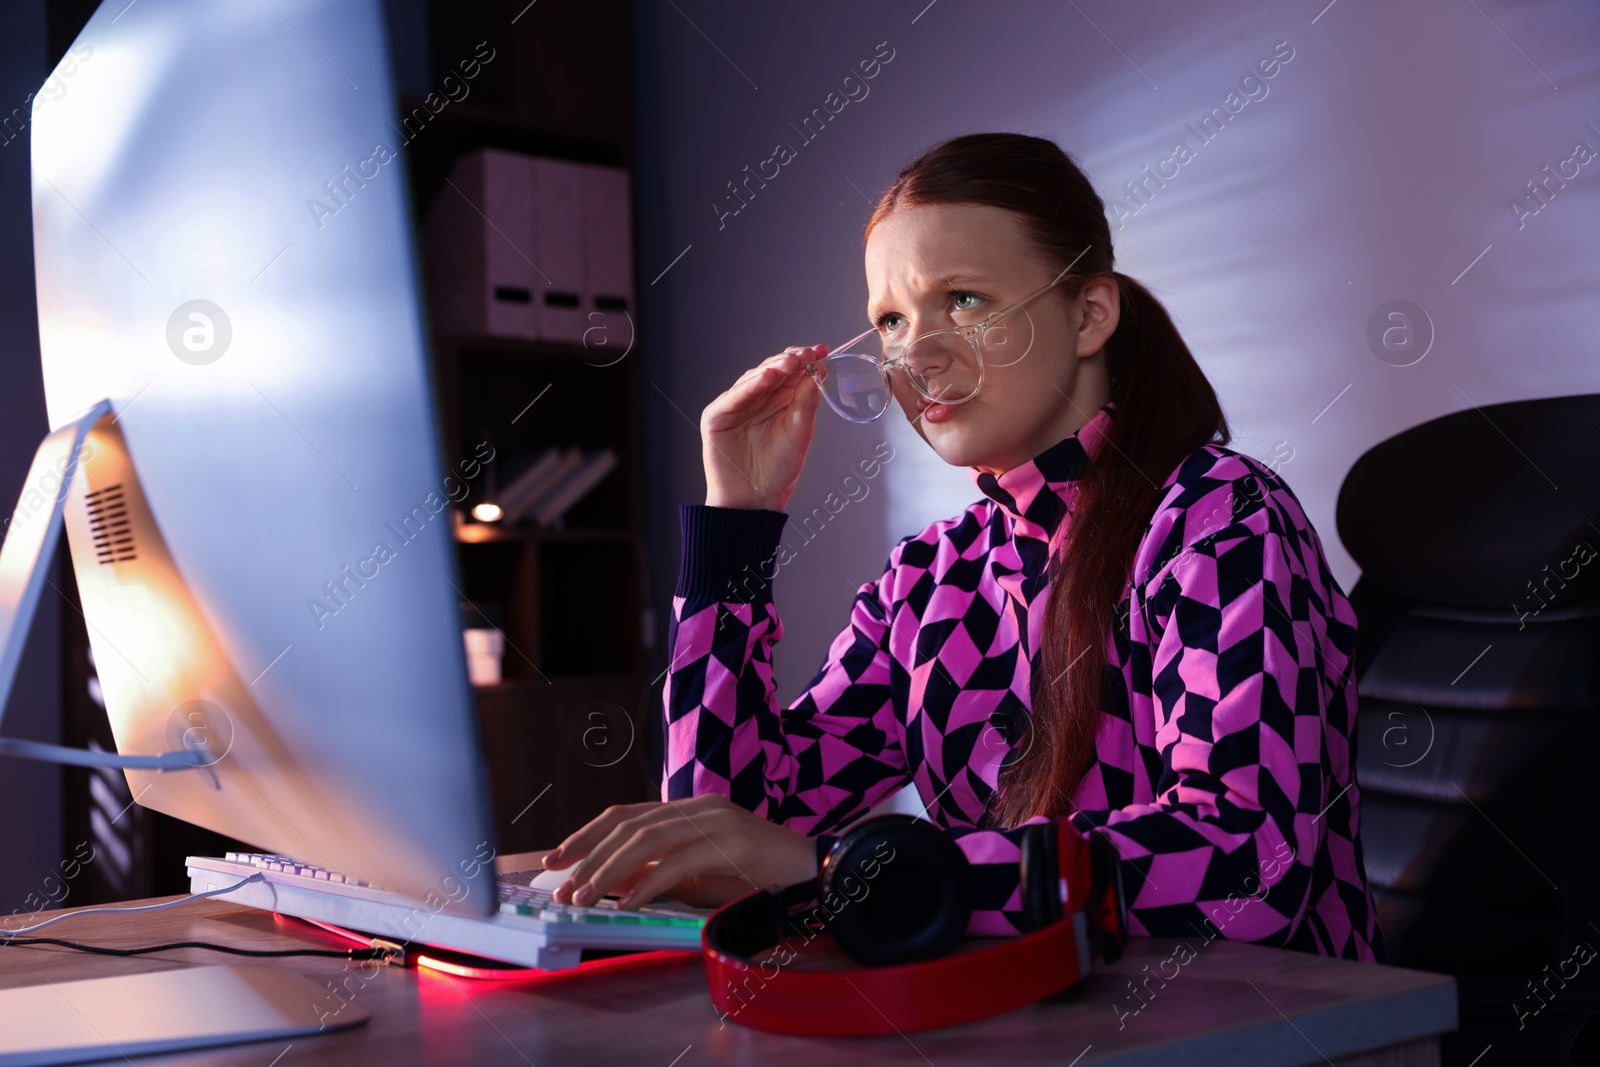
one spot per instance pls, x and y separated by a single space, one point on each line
964 301
889 322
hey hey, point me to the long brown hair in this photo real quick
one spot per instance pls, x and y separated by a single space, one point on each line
1163 409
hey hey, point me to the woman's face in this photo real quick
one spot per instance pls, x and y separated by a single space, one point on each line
932 266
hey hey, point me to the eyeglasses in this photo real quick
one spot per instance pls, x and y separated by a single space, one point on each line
945 366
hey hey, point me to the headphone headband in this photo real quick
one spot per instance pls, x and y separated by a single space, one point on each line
894 894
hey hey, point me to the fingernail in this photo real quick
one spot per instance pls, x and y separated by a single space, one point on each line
584 894
553 854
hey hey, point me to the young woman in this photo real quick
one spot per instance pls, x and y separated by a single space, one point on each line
1134 630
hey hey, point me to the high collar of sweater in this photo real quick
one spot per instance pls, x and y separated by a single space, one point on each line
1039 493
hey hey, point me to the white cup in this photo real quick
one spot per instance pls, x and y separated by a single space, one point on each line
484 651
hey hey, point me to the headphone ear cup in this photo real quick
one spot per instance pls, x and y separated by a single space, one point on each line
900 889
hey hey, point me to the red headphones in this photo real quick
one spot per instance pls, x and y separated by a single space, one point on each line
894 893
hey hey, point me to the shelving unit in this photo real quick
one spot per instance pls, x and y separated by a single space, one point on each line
521 398
571 598
564 731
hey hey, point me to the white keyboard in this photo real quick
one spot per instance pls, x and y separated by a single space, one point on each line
530 929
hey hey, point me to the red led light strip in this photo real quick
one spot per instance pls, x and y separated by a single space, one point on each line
500 974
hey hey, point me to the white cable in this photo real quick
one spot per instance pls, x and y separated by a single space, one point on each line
184 759
140 907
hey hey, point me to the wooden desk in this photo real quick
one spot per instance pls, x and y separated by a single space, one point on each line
1228 1004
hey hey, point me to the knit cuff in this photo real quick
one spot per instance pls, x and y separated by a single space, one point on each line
728 553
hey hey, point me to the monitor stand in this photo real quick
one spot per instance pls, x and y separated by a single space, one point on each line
194 1007
31 534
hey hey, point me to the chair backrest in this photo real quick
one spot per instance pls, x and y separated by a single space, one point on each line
1478 535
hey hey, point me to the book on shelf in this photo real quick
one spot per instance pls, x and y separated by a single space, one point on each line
529 487
553 484
548 512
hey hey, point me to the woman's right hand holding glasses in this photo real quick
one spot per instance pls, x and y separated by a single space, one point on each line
755 436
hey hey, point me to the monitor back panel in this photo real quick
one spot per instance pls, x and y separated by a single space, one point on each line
224 250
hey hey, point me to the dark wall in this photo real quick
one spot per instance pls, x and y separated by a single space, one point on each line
657 425
30 793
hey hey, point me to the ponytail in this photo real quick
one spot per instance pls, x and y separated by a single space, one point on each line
1162 409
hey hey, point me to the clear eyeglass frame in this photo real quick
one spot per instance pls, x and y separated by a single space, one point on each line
972 333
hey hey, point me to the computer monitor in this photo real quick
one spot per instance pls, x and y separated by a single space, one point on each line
259 522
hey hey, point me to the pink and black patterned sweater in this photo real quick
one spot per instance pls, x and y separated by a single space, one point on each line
1223 771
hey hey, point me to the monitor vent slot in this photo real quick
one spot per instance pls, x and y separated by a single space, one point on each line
108 525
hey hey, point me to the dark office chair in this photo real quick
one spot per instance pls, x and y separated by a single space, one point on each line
1478 536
